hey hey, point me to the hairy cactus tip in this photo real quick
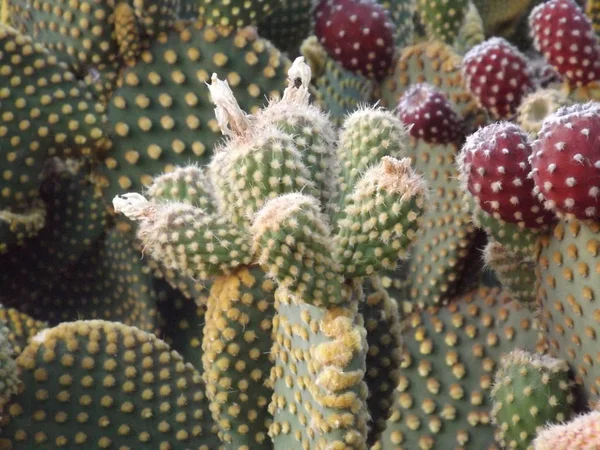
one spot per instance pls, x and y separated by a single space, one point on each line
299 76
231 118
398 177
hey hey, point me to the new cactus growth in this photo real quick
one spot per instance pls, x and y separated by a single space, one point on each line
581 433
529 391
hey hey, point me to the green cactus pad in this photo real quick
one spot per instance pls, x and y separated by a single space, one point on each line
515 272
367 135
288 25
189 185
106 385
384 355
340 92
443 241
319 401
9 376
236 357
83 33
381 219
293 225
530 391
161 114
21 328
442 19
434 63
185 238
450 356
44 111
402 13
472 31
502 17
109 281
592 10
17 227
568 292
237 13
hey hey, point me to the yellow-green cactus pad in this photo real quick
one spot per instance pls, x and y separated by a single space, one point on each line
442 19
106 385
568 265
161 115
236 357
402 13
450 357
237 13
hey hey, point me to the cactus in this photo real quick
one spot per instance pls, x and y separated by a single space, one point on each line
582 433
442 20
529 391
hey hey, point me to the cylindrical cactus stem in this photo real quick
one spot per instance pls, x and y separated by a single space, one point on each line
529 391
291 240
368 135
237 359
319 399
257 163
309 126
189 185
514 270
127 32
381 219
186 238
581 433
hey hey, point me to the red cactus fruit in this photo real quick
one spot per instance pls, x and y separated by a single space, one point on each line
498 75
493 166
430 115
566 161
359 34
564 35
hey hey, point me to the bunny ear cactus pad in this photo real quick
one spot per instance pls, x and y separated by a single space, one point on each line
44 111
129 390
402 13
442 19
450 356
288 25
236 357
568 294
9 374
434 63
237 13
529 392
21 328
161 115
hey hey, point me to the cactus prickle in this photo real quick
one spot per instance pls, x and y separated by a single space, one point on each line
529 391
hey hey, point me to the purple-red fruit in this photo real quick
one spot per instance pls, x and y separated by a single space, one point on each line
494 166
430 115
565 36
498 75
566 161
358 34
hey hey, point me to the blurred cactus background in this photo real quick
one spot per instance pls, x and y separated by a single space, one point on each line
300 224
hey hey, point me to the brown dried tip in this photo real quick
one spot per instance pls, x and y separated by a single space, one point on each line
299 76
396 176
227 111
134 206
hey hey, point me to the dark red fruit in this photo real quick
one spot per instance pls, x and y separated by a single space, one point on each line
494 168
566 161
498 75
358 34
430 115
564 35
